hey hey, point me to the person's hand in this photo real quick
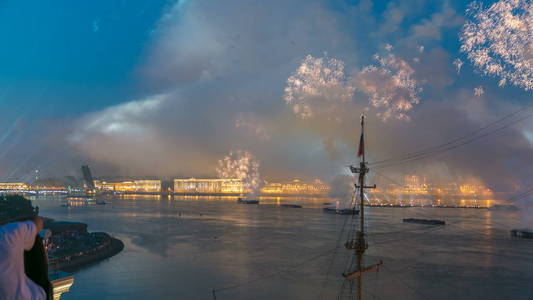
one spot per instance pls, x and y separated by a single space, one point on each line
38 221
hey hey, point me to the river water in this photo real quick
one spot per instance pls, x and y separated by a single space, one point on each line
186 247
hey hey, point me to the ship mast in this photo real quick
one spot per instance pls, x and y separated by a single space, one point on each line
360 246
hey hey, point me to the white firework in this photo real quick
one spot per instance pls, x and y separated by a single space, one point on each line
479 91
390 87
318 86
421 49
241 165
458 63
498 40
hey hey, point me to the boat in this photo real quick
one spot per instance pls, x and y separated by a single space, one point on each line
524 233
77 201
101 202
341 211
247 201
424 221
291 205
80 198
503 207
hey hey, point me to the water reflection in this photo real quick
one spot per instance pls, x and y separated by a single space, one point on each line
184 247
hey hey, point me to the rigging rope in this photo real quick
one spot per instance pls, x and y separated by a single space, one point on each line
333 258
286 270
405 283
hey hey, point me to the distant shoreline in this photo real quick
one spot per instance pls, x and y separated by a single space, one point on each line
211 194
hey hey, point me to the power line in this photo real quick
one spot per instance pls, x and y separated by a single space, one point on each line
456 139
286 270
521 196
422 156
455 143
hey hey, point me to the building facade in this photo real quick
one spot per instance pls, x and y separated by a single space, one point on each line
13 186
296 187
132 186
209 186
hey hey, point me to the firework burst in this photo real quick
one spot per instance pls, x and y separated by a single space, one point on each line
498 40
318 86
390 86
241 165
479 91
458 64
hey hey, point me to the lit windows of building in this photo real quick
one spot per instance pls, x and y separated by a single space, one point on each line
18 186
415 185
222 186
475 189
125 186
134 186
148 186
296 187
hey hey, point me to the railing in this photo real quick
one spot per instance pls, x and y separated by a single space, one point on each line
61 284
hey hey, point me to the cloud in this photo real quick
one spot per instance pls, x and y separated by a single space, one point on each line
432 28
252 126
435 70
129 119
218 79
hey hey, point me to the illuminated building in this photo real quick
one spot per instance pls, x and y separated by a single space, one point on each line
415 185
125 186
13 186
149 186
133 186
474 189
296 187
222 186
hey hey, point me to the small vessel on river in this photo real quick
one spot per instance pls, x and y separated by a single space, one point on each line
424 221
291 205
241 200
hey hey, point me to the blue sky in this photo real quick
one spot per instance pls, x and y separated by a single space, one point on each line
66 57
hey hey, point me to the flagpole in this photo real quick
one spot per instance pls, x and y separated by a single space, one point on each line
363 135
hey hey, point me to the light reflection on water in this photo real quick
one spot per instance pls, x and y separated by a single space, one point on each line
184 247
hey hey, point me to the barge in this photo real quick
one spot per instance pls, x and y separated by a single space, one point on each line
246 201
291 205
424 221
341 211
524 233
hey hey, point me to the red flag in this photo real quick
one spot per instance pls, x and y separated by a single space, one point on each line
361 146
